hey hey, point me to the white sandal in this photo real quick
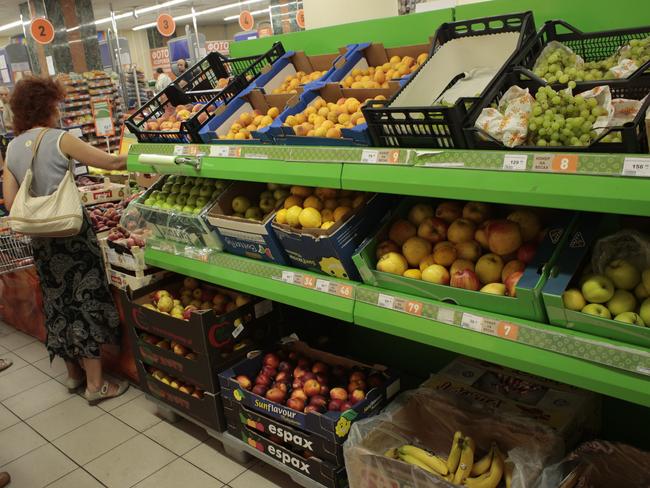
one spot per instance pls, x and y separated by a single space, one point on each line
102 394
5 363
74 385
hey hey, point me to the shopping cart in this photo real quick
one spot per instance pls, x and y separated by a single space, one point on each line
15 250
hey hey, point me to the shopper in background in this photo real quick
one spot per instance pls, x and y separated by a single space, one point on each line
5 109
181 66
79 309
162 80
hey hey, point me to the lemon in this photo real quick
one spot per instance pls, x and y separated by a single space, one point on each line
281 216
327 225
293 216
310 218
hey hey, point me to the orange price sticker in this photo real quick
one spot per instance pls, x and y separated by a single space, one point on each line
246 21
42 30
414 308
507 330
345 291
166 25
308 281
300 18
565 163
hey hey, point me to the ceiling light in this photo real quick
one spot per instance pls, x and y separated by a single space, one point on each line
139 11
11 25
255 12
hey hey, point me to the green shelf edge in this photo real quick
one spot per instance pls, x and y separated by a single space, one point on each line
574 371
297 296
578 192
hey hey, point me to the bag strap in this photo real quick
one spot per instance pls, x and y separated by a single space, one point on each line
37 143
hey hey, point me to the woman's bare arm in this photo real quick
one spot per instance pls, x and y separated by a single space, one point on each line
9 188
89 155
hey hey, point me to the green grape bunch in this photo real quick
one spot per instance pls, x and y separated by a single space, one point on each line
560 119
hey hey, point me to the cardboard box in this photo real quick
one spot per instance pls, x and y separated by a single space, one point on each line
125 279
105 191
571 412
240 417
250 238
330 92
146 180
332 426
574 257
207 410
188 229
528 302
218 341
330 251
226 115
131 259
375 54
326 474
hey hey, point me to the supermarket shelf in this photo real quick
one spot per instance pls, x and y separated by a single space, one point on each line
262 279
615 183
590 362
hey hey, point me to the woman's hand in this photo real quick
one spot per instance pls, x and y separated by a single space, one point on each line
89 155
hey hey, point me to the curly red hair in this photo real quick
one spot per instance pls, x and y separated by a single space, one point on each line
34 101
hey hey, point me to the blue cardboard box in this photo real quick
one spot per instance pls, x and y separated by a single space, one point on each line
330 251
245 237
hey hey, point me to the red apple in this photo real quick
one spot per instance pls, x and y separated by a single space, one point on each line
308 376
527 252
319 367
311 387
269 371
313 409
324 390
318 400
345 406
356 396
304 363
219 303
283 376
285 366
511 267
511 283
433 229
187 312
296 404
299 393
276 395
260 390
244 382
298 372
375 380
356 385
263 379
449 211
271 360
207 295
297 383
357 376
281 386
503 236
465 279
334 405
322 379
338 394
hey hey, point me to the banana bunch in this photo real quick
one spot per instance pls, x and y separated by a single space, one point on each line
459 468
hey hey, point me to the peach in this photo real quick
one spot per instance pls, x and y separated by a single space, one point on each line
444 253
461 230
401 231
415 249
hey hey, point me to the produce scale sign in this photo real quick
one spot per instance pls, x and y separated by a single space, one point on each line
103 116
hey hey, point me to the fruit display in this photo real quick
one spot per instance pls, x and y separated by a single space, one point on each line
326 119
168 345
194 296
106 216
175 383
619 293
471 245
379 76
128 239
462 466
308 385
559 64
184 194
265 203
173 117
292 82
249 122
318 208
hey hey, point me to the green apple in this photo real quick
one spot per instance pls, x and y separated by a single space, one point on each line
163 196
181 199
201 202
177 207
166 206
155 195
240 204
267 204
644 311
266 194
195 191
173 179
622 301
150 201
598 310
186 188
187 209
171 199
191 200
219 185
280 194
205 191
197 210
645 278
158 204
573 299
198 181
623 274
598 289
167 187
253 213
177 188
630 318
641 292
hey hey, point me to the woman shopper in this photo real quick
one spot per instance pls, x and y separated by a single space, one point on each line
79 309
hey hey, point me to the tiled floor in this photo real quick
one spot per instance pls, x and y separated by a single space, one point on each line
51 438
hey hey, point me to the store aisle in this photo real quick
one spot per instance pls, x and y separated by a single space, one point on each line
51 438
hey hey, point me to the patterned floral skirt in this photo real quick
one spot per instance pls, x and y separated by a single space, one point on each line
79 310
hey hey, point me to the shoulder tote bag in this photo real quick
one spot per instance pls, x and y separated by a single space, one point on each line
57 215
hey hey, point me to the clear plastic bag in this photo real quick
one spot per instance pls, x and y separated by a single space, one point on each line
427 418
627 244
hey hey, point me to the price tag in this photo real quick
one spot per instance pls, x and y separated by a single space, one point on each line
323 285
345 291
238 330
369 156
225 151
288 276
414 308
386 301
185 150
565 163
446 316
515 162
636 167
473 322
308 281
506 330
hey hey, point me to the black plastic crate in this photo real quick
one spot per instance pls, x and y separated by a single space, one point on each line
590 46
633 134
441 126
